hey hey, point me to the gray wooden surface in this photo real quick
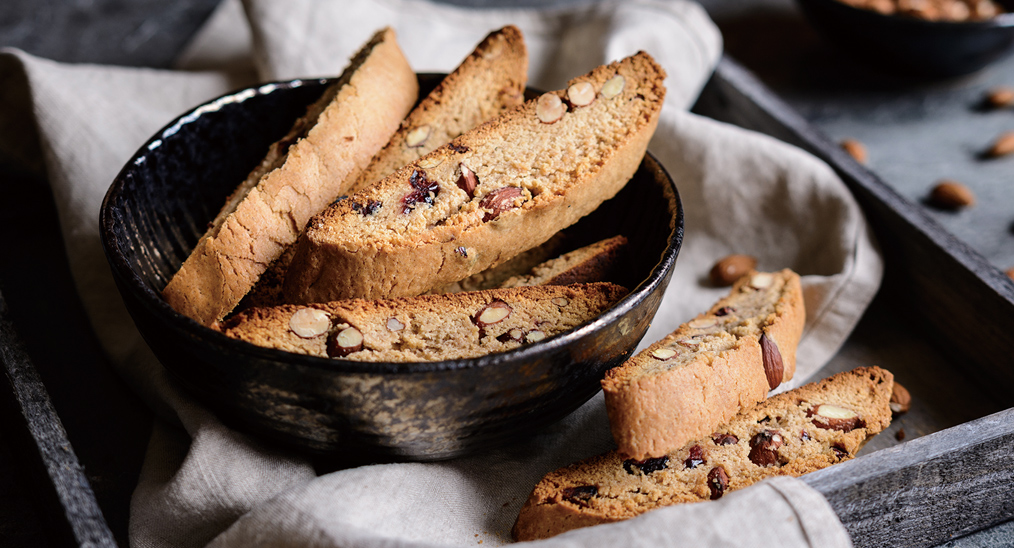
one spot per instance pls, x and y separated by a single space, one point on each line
916 133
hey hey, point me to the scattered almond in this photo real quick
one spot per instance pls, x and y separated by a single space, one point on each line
855 149
1003 145
729 269
900 434
901 400
948 194
1000 97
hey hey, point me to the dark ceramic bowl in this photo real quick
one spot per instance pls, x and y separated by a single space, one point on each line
159 206
909 45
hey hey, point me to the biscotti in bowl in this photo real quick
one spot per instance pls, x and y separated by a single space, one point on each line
160 204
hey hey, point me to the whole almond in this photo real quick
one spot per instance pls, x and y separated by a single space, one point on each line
729 269
949 194
1003 145
855 149
901 400
774 369
1000 97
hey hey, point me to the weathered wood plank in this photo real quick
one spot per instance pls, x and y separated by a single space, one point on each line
928 490
46 447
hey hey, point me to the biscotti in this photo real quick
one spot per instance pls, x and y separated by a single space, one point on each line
488 82
806 429
698 377
324 152
519 265
503 187
591 263
427 327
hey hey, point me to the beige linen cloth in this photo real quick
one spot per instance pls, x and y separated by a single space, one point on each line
204 484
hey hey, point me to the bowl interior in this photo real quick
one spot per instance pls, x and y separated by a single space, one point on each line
164 198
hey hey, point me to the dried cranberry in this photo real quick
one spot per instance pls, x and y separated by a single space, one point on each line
696 457
580 495
646 466
840 451
424 191
725 311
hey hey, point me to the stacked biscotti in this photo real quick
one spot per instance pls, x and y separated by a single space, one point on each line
793 433
490 81
324 152
683 386
503 187
427 327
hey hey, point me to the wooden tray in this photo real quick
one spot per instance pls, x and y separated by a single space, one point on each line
942 323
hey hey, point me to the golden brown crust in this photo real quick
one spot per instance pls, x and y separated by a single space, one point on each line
702 374
267 212
420 224
423 326
608 488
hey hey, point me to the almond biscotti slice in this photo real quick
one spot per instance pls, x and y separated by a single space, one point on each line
302 173
503 187
591 263
519 265
806 429
702 374
427 327
488 82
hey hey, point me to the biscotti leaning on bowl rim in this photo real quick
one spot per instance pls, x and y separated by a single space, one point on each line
488 82
427 327
790 434
325 151
503 187
699 376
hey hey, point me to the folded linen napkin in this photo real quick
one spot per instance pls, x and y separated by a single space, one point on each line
743 192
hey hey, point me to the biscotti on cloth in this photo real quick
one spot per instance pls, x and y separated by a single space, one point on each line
427 327
499 189
806 429
323 153
683 386
488 82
